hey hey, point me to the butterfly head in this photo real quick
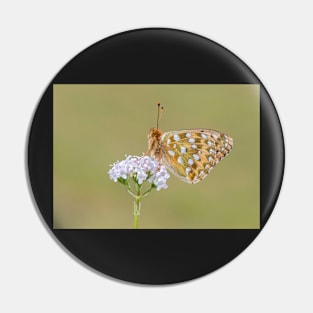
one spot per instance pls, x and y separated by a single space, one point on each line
154 133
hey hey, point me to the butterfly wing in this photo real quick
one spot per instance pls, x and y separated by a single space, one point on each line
192 153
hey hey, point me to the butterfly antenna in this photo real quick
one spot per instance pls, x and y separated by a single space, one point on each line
160 111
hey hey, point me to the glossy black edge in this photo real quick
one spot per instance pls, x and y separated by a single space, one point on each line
170 256
272 156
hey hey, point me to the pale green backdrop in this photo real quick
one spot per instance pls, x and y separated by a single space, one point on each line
96 125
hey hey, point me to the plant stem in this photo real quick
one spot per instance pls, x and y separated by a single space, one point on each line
137 205
137 202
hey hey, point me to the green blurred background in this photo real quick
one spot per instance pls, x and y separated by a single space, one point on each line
96 125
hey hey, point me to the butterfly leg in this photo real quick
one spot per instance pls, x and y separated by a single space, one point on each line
148 152
159 157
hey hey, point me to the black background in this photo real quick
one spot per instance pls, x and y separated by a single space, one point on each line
154 56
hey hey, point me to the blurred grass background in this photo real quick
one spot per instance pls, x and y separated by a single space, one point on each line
96 125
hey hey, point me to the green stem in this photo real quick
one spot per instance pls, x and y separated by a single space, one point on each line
137 206
137 203
129 191
146 192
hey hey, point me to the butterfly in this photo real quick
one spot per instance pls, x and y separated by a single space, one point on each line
190 154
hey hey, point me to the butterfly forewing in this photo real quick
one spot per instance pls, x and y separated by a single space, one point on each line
192 153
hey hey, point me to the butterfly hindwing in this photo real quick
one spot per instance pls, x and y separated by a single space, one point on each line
192 153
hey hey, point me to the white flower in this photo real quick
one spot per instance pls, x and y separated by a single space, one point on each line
141 169
160 178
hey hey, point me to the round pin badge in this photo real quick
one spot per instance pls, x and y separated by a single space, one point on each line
155 156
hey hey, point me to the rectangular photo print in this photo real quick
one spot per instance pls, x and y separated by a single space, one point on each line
156 156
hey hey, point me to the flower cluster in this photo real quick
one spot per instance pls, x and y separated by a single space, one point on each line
140 169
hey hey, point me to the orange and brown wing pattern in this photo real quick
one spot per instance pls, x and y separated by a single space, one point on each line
192 153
